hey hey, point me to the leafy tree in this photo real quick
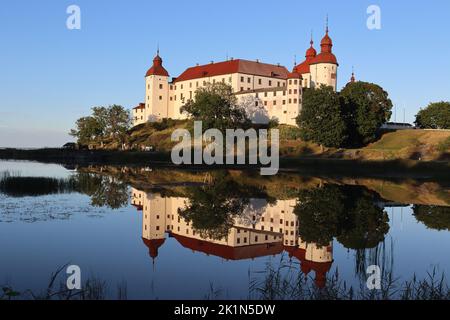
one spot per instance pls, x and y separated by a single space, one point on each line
87 130
367 108
434 217
216 106
321 119
113 122
435 116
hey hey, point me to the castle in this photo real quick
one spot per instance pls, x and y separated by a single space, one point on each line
271 86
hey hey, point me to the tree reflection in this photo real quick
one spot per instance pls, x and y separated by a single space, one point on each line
347 213
213 208
105 191
434 217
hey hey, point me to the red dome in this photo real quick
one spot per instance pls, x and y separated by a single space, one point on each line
326 53
311 52
157 69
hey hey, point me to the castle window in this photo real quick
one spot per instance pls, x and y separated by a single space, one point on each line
284 92
157 217
259 81
265 103
171 98
266 237
274 93
274 102
245 239
278 84
270 83
181 96
242 79
242 88
265 94
214 80
190 84
256 103
295 100
238 240
290 81
284 101
229 79
285 112
295 81
295 91
157 228
249 89
249 80
148 86
190 94
196 84
262 228
204 83
160 86
160 97
171 87
290 100
290 91
256 238
181 87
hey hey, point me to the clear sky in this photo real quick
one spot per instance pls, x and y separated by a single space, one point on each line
50 75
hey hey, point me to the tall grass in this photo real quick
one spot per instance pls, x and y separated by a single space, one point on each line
287 282
13 185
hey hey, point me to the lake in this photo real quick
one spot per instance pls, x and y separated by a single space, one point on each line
161 233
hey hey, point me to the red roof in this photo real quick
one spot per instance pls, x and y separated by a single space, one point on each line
324 57
140 106
157 68
228 252
294 75
234 66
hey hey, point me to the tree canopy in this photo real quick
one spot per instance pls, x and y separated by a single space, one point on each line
216 106
435 116
321 119
104 122
367 108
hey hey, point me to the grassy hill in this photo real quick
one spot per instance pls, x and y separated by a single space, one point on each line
422 145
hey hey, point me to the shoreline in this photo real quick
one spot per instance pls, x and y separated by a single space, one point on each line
394 169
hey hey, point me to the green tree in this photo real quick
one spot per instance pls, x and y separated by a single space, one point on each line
321 119
367 108
216 106
435 116
87 130
118 123
113 122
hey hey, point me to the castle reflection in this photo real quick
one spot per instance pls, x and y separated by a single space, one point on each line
262 229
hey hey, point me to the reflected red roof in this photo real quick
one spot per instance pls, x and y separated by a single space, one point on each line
153 246
320 268
228 252
234 66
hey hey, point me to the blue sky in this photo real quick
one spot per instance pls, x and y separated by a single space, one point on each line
50 76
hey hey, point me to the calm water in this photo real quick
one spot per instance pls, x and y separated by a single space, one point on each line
193 235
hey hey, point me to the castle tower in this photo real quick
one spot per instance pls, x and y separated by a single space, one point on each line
156 91
324 66
304 68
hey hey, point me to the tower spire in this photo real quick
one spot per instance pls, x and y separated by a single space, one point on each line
353 79
326 25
